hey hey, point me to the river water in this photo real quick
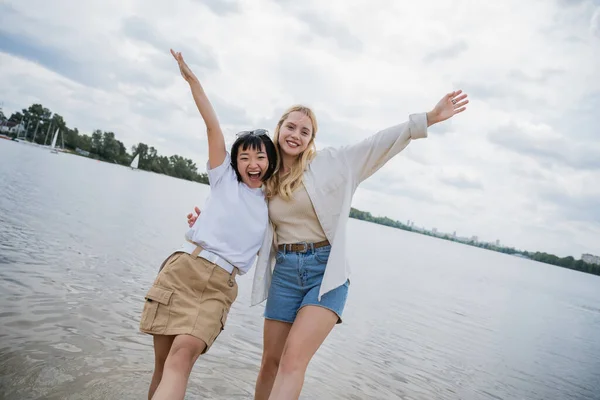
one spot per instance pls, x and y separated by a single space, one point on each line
81 241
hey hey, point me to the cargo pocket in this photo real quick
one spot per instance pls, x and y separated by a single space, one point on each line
221 326
224 318
156 310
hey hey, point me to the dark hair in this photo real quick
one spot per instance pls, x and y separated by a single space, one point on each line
253 140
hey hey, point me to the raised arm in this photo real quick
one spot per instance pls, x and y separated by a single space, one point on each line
369 155
216 141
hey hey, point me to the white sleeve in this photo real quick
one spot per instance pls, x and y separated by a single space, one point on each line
216 174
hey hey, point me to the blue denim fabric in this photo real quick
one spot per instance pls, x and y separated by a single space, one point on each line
296 282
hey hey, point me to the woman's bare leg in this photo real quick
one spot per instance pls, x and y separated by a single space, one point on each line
309 331
274 337
162 346
185 350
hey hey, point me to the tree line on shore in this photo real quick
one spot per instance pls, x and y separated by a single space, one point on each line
40 123
565 262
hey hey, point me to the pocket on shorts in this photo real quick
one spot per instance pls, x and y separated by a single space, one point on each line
224 316
170 260
322 255
222 320
156 310
279 256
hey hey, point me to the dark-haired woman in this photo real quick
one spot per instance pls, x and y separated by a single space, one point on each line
187 306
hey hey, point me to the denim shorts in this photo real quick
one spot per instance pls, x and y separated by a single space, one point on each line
296 283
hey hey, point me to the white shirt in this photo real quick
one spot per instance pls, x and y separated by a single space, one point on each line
234 219
331 180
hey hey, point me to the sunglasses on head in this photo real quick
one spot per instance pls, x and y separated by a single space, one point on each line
255 132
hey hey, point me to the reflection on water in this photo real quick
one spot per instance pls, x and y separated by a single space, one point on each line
80 241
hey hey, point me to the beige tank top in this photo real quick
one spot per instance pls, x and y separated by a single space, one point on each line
295 221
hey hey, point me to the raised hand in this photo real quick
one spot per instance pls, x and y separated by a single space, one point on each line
451 104
186 72
216 142
191 218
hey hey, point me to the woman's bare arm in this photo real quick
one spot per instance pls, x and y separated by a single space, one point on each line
216 141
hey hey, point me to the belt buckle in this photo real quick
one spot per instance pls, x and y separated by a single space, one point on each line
305 248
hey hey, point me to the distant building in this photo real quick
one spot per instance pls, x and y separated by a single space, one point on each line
82 152
12 127
497 242
5 126
590 259
475 239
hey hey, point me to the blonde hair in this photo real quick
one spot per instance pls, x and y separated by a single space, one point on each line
283 184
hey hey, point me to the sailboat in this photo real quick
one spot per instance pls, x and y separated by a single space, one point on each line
53 145
135 162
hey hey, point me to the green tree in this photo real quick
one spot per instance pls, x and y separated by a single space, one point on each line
162 165
181 167
16 117
97 142
110 148
84 142
142 150
58 126
72 139
37 117
123 158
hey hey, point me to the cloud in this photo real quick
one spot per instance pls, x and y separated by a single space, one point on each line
400 187
51 58
462 182
324 25
101 69
221 7
328 28
546 145
451 51
570 3
579 121
582 207
595 23
543 76
141 30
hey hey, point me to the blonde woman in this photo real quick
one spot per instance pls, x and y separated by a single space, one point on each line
302 269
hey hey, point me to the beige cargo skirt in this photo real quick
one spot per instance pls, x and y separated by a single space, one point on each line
190 296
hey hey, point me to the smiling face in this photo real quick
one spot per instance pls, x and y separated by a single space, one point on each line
295 143
252 165
295 134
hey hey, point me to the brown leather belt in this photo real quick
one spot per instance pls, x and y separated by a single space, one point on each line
302 247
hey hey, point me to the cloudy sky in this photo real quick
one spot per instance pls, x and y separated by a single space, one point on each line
521 165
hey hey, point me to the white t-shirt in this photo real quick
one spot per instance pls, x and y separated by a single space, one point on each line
234 219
